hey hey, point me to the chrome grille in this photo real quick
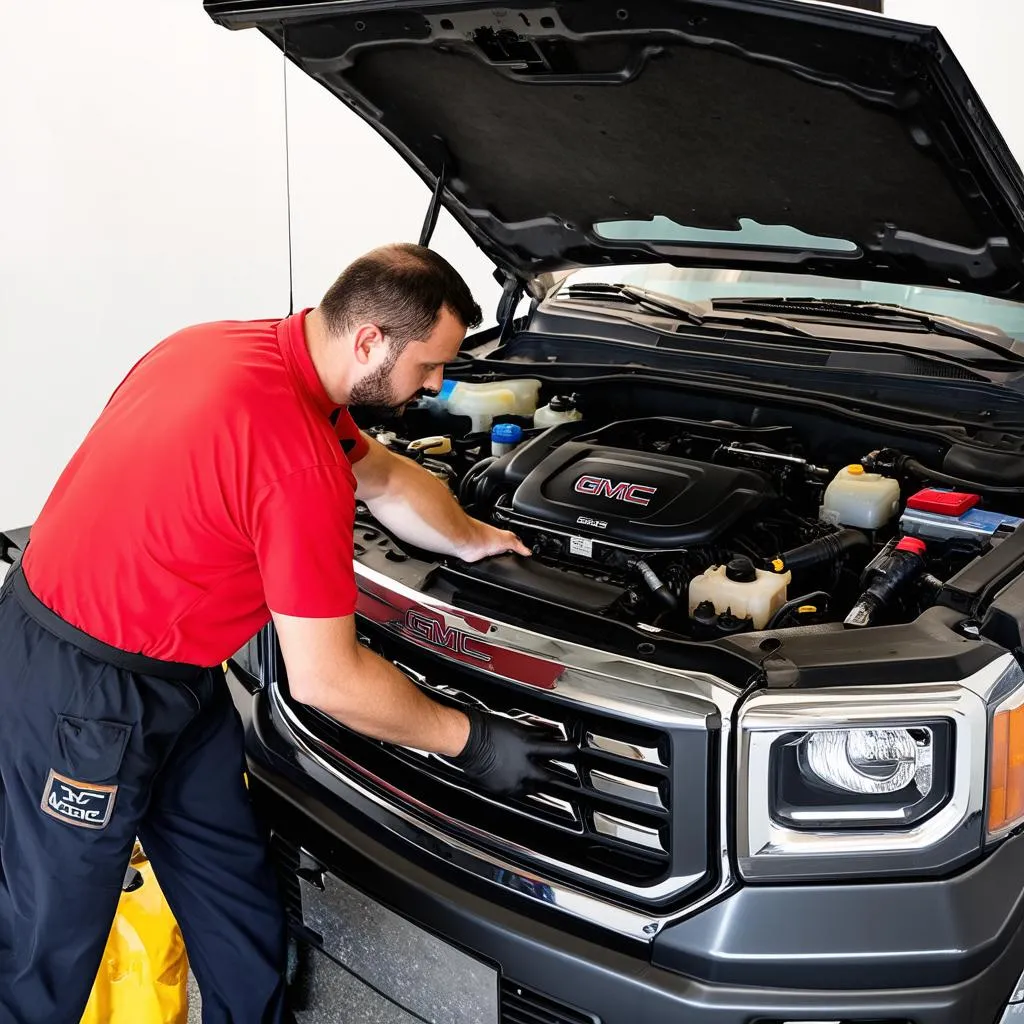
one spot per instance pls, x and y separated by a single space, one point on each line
568 800
603 820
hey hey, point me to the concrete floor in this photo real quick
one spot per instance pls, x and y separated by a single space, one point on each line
335 998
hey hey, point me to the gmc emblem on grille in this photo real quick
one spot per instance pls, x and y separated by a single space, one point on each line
435 632
602 487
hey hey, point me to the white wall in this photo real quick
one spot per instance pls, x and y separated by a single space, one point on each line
142 189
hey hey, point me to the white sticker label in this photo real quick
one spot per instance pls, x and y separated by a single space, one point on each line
581 546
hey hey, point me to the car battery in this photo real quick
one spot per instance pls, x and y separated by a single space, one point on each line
938 514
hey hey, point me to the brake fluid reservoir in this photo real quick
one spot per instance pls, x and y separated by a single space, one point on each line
505 437
741 590
860 499
483 402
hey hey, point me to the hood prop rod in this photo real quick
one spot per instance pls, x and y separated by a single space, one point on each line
430 222
511 292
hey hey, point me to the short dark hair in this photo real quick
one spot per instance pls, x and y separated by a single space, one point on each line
401 288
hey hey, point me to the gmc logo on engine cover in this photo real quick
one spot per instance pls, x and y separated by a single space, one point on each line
602 487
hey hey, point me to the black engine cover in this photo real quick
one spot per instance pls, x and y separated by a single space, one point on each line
637 500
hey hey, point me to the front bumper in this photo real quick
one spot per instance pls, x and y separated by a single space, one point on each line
937 952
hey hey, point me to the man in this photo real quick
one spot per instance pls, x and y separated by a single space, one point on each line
216 489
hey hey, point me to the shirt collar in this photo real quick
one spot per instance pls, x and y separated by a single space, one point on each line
292 339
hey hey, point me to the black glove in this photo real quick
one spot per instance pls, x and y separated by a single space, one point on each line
499 754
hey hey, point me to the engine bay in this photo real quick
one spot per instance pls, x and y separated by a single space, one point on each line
704 528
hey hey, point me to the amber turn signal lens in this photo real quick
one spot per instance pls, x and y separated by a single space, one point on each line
1006 771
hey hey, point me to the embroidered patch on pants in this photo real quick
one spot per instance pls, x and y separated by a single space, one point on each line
83 804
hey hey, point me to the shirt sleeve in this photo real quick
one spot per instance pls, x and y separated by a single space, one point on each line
352 440
302 530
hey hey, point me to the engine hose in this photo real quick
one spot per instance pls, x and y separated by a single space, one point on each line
931 585
919 469
830 548
655 584
796 602
469 489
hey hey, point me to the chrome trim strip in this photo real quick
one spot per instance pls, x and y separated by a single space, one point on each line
609 745
615 683
628 832
627 789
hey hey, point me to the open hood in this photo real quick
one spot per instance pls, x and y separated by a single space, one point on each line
758 134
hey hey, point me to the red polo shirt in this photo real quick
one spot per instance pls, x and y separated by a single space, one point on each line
212 488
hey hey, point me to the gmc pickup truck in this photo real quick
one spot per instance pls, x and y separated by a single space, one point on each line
758 376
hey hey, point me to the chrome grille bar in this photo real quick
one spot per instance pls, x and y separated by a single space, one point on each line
620 748
627 789
628 831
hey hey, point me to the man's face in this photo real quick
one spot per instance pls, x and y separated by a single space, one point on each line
399 376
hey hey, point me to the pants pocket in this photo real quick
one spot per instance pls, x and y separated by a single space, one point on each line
90 750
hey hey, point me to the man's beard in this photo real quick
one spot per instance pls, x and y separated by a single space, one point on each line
375 393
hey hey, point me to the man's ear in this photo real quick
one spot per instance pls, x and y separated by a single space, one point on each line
368 343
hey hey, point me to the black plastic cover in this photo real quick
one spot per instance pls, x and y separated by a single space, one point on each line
1003 622
638 499
523 575
968 590
926 650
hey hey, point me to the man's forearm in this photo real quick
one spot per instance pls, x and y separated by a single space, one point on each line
423 511
376 699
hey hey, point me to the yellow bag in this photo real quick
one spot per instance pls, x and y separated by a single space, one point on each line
143 978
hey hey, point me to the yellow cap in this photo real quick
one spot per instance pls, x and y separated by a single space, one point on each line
806 609
778 564
855 469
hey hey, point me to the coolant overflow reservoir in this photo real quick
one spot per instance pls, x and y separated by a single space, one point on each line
741 590
483 402
561 409
860 499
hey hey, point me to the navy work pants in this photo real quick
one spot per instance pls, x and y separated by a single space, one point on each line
93 755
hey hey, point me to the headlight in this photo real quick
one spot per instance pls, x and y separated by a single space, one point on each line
871 781
869 761
848 778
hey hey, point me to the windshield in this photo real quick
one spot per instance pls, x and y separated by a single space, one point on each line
702 285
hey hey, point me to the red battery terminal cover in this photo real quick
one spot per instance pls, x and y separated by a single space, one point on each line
943 503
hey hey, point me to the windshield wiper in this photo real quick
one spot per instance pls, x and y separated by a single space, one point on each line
882 314
665 305
634 296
